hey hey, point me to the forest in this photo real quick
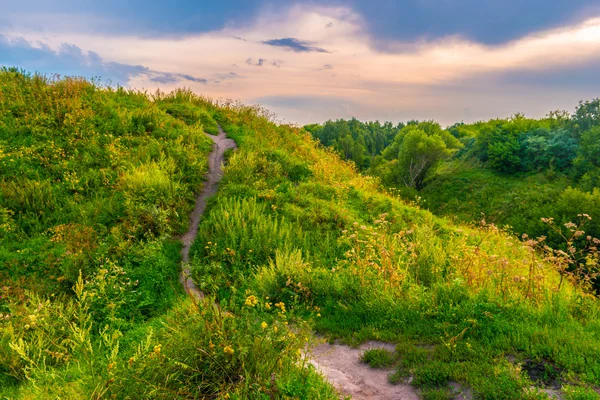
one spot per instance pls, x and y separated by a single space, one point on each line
297 246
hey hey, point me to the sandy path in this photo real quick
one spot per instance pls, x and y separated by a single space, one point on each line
211 185
342 367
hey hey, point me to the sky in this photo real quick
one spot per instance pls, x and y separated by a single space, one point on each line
310 61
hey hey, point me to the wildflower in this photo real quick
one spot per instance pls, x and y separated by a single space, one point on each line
251 301
157 349
264 325
318 314
275 329
211 345
268 306
281 306
228 350
570 225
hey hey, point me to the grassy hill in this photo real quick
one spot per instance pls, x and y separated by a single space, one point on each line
95 185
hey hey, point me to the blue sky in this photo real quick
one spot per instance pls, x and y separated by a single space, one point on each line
310 61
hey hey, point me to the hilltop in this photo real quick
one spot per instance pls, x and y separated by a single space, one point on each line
97 184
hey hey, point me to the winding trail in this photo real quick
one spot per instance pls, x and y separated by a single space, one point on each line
339 364
211 185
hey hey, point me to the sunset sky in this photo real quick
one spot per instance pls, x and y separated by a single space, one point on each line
448 60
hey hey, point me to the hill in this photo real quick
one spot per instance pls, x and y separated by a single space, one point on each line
96 183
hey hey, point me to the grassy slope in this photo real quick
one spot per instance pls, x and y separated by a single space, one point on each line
294 224
294 236
94 184
464 190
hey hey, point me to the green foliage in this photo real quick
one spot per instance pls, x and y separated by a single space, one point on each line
503 155
580 393
587 115
354 140
378 358
418 154
182 108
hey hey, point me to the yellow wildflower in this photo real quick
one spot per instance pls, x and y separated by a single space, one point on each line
264 325
251 301
228 350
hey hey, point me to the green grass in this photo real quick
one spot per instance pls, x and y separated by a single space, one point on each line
296 241
95 183
467 191
378 358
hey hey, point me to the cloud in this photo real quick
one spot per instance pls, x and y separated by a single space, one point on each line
227 76
488 21
433 78
293 44
69 59
169 77
260 62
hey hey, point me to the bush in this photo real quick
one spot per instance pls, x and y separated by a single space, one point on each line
378 358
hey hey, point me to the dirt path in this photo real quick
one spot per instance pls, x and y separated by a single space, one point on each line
342 367
339 364
211 185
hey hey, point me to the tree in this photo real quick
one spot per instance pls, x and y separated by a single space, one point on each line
503 154
418 153
587 163
587 115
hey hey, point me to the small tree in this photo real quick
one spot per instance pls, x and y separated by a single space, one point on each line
418 153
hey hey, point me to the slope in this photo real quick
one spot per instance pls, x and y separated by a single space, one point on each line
295 241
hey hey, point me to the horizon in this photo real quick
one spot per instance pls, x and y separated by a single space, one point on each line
310 62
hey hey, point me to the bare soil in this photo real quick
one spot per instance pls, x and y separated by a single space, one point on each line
211 185
342 367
